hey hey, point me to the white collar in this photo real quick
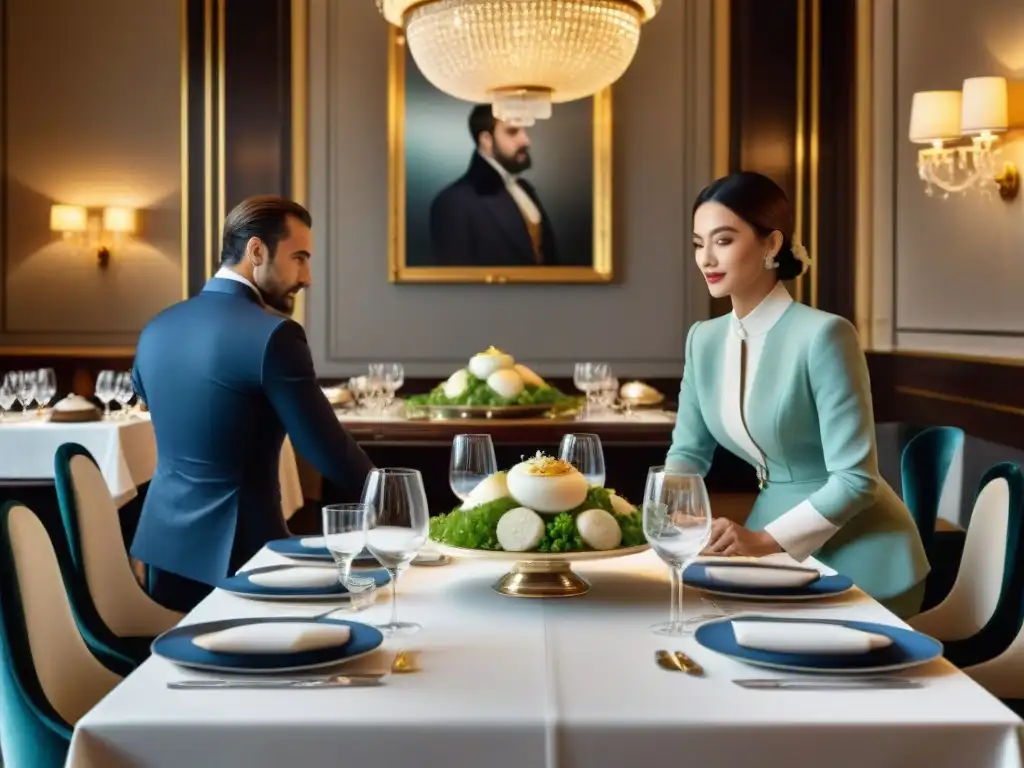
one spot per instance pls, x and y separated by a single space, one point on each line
229 274
765 315
507 177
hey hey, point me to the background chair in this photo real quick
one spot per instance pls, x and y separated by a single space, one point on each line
50 676
129 617
931 471
981 615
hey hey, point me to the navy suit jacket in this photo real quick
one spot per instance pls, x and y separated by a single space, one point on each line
224 379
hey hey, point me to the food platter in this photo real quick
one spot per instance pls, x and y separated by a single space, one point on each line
446 412
541 574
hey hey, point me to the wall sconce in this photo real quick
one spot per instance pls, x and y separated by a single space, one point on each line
979 112
73 220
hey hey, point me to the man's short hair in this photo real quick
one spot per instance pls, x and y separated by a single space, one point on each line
263 216
481 120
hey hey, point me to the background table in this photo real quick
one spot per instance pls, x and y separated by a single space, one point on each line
511 683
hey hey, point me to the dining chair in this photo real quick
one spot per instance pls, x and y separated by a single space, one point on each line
50 677
931 472
126 618
981 615
292 499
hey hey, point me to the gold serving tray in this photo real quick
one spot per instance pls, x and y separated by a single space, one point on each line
540 574
450 412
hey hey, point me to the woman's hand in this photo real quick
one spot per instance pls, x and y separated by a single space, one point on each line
731 539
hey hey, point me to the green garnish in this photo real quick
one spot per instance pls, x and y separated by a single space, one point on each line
478 393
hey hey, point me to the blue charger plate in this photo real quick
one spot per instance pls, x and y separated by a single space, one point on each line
696 575
292 547
176 646
908 649
240 584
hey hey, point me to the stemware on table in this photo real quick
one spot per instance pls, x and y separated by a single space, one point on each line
46 386
591 379
106 390
397 524
472 461
584 452
345 538
677 524
8 393
26 387
124 391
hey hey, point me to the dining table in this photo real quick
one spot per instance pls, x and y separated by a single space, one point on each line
507 682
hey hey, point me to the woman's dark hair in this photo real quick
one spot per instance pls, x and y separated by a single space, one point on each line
761 203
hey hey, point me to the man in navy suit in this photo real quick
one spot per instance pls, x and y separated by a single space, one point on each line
490 217
225 375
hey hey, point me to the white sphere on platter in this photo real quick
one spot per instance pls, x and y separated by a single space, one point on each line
547 485
505 382
485 363
599 529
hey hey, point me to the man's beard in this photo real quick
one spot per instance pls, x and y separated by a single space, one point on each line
283 302
516 163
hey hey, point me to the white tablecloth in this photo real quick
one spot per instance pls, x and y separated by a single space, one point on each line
125 450
510 683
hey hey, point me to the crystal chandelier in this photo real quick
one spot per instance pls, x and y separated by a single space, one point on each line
521 55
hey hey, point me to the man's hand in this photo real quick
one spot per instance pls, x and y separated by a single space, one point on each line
731 539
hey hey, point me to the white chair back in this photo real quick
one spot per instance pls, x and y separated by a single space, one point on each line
291 485
972 601
72 679
120 602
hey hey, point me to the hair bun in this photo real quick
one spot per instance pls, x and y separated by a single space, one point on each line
793 261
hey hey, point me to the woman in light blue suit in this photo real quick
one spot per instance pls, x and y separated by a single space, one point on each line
785 387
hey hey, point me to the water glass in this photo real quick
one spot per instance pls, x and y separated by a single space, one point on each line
472 461
677 524
345 535
584 452
46 386
106 390
25 387
591 378
397 523
8 393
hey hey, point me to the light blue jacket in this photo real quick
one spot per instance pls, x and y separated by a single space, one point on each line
810 414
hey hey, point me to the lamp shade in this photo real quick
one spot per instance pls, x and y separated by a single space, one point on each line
985 106
68 218
119 219
935 116
521 55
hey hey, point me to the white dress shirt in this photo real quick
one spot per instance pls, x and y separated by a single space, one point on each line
229 274
526 205
803 529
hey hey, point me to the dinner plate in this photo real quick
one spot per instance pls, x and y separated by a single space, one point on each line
696 575
240 584
176 646
293 547
908 649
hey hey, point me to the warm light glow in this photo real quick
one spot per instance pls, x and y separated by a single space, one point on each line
68 218
985 107
521 55
120 220
935 116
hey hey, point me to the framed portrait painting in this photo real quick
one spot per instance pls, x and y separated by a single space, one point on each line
476 200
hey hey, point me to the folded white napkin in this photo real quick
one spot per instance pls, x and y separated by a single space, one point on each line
806 637
277 637
761 576
299 578
314 542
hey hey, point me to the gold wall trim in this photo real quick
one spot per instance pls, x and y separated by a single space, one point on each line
801 132
932 395
300 120
1008 362
722 138
183 33
208 133
601 269
815 138
864 177
69 351
221 131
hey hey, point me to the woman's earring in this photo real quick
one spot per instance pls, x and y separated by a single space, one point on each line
770 262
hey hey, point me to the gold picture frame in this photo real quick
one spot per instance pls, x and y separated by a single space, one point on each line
599 271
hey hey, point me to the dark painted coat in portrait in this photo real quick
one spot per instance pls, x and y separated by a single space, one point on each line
475 222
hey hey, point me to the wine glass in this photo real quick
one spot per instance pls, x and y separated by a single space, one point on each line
391 377
106 388
25 388
396 522
124 391
345 535
46 386
584 452
7 393
472 461
677 524
590 379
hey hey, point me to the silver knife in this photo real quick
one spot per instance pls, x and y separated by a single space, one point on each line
853 684
339 681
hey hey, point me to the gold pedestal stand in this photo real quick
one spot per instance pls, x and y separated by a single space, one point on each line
541 574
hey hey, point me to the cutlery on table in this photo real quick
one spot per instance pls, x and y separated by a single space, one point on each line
832 684
677 662
334 681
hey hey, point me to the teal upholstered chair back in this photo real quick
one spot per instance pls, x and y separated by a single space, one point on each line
931 472
49 678
130 618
